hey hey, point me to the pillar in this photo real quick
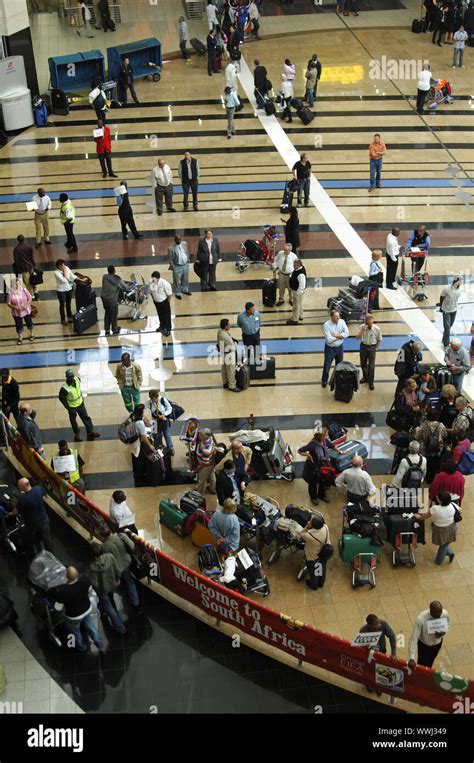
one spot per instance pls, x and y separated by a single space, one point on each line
16 33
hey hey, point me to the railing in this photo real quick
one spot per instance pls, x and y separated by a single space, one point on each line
71 8
304 643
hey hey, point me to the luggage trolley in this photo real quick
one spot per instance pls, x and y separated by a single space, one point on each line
144 56
134 299
416 281
404 551
440 92
261 252
363 573
46 572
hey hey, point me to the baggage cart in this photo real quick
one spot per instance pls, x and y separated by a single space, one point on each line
144 56
132 301
415 278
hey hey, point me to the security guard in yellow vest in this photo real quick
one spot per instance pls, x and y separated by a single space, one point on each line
70 396
67 215
73 477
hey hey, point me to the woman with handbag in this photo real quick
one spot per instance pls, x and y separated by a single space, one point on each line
19 301
317 550
24 265
317 455
446 514
161 411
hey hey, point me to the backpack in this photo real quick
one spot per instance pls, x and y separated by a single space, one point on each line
433 444
99 102
208 560
466 464
127 432
413 476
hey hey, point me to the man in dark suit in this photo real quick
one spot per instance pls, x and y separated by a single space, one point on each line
211 52
189 175
313 62
208 255
126 81
227 484
260 80
125 213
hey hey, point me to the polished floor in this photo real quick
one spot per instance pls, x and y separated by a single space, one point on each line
427 178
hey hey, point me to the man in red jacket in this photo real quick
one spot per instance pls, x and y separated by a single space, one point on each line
104 150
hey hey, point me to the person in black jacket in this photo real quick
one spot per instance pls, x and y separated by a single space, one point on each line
227 484
260 80
126 81
292 229
430 14
313 62
125 213
105 17
10 394
406 364
440 23
407 403
211 53
77 608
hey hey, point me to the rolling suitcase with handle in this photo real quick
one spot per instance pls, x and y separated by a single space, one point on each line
59 103
198 46
172 517
264 369
200 534
417 26
242 377
306 115
269 292
192 501
351 545
349 448
84 319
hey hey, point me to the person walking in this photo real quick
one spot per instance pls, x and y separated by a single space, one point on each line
230 76
41 217
335 331
33 513
24 264
112 286
460 38
105 16
19 301
226 346
208 255
125 213
104 150
302 173
74 475
161 411
254 18
231 100
311 77
98 99
163 184
423 87
77 608
205 458
126 82
448 305
211 13
370 337
211 52
392 253
105 577
10 394
317 455
315 536
292 229
161 292
67 216
315 62
64 280
458 362
86 19
285 264
357 482
189 176
29 429
249 323
298 283
423 640
377 151
120 512
70 395
260 80
183 37
129 377
178 256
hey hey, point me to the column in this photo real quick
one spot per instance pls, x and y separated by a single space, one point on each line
16 33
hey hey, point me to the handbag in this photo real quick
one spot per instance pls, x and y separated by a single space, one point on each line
327 551
457 514
394 420
177 411
36 277
34 311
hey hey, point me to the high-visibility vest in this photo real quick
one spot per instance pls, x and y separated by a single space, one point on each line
62 212
75 475
74 394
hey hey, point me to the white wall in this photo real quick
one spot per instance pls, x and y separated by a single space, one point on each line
13 17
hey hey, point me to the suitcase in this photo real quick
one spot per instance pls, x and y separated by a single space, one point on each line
337 433
208 561
41 115
218 63
172 517
269 292
197 267
347 313
306 115
286 202
416 26
397 523
201 535
273 458
157 472
192 501
351 545
298 514
443 376
85 296
350 299
253 250
349 448
239 107
198 46
297 104
242 377
84 318
263 370
59 103
270 109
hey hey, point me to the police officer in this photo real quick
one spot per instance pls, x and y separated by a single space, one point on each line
71 397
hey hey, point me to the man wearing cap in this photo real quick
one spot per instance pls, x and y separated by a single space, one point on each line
315 535
71 397
73 476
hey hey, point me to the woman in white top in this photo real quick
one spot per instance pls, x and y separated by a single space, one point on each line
289 70
64 281
286 92
121 513
444 528
160 409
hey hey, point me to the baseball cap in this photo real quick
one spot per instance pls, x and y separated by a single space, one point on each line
69 372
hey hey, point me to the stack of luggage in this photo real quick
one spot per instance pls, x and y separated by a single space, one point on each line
272 458
175 516
344 381
351 308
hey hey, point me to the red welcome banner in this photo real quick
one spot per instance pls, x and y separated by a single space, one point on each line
441 691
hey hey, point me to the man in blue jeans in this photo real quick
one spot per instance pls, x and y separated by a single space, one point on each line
377 150
74 595
335 331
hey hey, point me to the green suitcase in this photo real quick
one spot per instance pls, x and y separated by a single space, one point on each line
172 517
351 545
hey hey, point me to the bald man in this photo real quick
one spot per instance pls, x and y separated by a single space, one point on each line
33 512
423 640
357 482
77 608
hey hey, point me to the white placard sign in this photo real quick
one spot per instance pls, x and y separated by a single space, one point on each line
367 639
98 133
440 625
120 190
31 206
62 464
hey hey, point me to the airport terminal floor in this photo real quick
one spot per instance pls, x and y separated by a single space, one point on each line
166 657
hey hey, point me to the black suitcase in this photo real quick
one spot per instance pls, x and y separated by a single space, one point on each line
192 501
84 318
443 376
350 299
263 370
253 250
299 515
270 109
242 377
416 26
198 46
85 295
269 292
297 104
397 523
235 54
158 472
59 103
291 187
109 24
306 115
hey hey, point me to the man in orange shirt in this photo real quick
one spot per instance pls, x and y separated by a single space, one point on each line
377 150
104 150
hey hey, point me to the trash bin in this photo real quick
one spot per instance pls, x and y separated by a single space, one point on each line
17 110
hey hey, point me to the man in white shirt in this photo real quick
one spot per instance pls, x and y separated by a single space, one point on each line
43 203
98 100
86 19
370 337
298 284
335 331
230 76
448 305
161 292
285 264
357 482
163 184
424 84
413 459
459 42
392 253
183 37
427 643
121 513
211 12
